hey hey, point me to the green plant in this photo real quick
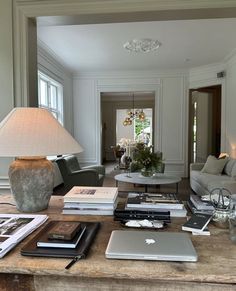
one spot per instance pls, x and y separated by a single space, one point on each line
146 157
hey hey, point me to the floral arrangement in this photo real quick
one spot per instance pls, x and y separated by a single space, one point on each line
146 157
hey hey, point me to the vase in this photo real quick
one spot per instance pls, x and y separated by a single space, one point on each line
147 172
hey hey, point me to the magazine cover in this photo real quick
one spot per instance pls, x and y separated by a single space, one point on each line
15 227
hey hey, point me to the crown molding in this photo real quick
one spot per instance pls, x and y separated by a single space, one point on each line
154 9
49 55
131 74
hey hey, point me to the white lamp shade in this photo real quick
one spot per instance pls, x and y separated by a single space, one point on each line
34 132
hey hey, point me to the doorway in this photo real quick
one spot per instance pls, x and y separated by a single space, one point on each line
114 108
204 123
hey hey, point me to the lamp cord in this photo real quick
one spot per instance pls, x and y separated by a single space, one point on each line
7 203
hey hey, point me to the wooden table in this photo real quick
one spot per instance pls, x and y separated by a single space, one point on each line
215 270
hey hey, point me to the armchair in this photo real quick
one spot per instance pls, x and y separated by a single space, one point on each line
74 175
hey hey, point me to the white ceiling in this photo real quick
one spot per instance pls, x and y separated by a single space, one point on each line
99 47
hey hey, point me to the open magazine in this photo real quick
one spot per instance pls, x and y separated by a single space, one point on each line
15 227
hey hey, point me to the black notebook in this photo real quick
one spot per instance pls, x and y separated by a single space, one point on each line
31 249
197 222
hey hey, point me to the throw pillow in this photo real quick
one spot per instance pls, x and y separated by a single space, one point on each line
214 166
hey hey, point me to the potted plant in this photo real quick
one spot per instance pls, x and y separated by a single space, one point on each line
147 160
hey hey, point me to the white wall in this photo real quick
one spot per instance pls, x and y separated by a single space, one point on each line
170 125
48 64
231 106
6 78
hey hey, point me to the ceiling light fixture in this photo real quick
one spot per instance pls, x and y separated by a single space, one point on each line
144 45
134 114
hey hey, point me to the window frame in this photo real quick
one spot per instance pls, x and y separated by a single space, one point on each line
57 111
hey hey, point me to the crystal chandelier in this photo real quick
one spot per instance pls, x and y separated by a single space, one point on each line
134 114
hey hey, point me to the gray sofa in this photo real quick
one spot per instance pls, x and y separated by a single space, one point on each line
203 183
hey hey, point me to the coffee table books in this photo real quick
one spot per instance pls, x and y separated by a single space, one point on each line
148 200
195 210
90 200
200 204
156 202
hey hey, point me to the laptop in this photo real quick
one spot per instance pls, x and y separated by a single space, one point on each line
150 245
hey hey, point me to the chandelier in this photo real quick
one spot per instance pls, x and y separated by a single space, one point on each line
134 114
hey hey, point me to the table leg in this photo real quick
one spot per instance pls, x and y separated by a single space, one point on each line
116 183
177 188
146 188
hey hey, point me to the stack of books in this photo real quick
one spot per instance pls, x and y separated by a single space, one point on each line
197 224
90 200
156 202
197 205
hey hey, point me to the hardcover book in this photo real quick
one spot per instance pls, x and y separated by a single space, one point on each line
64 230
197 222
153 201
205 231
92 194
195 210
45 242
84 211
200 204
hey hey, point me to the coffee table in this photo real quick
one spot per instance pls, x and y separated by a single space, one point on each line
157 179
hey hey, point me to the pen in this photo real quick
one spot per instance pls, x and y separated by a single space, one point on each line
74 260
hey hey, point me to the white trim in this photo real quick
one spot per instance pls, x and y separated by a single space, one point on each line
126 87
4 183
131 74
74 7
50 57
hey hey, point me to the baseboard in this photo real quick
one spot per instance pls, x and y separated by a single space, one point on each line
4 185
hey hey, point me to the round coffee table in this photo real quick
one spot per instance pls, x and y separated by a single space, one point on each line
157 179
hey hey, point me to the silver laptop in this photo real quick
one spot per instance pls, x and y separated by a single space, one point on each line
150 245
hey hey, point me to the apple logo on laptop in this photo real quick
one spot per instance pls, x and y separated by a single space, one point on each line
150 241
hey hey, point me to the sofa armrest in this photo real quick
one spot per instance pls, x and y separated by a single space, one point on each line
196 166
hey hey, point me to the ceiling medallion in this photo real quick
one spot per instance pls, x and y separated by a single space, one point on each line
144 45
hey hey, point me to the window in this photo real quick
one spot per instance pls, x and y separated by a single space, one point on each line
50 94
140 131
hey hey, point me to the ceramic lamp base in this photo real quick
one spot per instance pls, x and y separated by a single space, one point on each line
31 183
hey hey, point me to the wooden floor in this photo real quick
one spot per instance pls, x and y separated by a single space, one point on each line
109 181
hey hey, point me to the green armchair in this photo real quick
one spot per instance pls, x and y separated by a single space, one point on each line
74 175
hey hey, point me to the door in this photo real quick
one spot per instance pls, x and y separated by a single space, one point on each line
204 123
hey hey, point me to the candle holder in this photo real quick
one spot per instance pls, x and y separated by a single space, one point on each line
220 197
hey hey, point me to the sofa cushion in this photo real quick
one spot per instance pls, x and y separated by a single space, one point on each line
229 166
214 166
233 172
209 182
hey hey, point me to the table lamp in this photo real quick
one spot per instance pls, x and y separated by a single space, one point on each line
31 134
